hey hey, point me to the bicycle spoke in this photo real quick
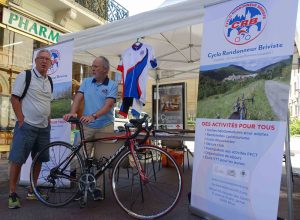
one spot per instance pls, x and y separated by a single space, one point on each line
59 176
154 197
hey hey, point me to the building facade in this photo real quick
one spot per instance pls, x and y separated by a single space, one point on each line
26 25
294 95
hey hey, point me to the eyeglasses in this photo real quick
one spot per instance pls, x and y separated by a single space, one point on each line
95 66
44 58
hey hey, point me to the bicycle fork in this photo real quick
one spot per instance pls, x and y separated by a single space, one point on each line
137 162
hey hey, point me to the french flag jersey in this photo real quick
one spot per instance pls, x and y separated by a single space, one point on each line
134 66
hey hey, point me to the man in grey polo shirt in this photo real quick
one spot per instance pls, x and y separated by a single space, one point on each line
32 130
99 94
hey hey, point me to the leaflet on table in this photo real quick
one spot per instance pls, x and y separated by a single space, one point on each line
240 161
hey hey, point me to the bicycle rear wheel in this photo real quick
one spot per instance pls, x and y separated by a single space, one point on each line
57 183
152 198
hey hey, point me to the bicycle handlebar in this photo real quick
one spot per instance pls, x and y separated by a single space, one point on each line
74 120
136 123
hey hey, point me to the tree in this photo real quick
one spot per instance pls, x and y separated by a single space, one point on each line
295 127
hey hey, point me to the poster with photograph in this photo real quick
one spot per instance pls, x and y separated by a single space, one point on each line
246 60
171 105
61 74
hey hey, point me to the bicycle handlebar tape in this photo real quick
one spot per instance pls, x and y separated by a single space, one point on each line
138 123
74 120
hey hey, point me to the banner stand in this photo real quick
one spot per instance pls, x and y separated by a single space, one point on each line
288 170
202 214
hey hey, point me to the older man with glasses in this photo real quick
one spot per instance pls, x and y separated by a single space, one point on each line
32 129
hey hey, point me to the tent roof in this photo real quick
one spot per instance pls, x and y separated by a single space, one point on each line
174 32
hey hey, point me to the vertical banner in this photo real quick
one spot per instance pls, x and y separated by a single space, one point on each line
171 105
61 74
242 108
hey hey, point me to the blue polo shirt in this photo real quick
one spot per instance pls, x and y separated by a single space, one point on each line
95 95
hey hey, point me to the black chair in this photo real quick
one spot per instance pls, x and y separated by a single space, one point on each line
145 155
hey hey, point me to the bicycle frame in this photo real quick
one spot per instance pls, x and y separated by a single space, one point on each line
130 143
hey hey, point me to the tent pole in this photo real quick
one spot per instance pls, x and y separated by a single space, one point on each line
157 97
174 46
288 169
190 45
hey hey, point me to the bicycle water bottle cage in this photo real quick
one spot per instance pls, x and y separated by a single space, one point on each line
101 161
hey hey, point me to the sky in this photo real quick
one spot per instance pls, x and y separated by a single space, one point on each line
138 6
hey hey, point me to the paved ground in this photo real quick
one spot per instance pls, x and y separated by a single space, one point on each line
109 210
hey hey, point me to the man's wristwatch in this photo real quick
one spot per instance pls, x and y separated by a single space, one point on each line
95 116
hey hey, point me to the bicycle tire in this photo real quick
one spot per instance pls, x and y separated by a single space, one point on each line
57 186
152 199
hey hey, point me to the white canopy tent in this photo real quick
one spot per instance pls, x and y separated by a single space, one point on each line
174 32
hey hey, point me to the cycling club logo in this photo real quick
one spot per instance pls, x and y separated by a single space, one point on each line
245 23
105 91
55 61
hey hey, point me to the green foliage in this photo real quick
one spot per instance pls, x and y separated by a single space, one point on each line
223 106
209 87
59 107
212 82
295 127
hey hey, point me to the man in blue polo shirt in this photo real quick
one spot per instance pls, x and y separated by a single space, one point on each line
99 94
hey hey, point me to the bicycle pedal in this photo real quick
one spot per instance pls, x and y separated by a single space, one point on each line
82 202
82 205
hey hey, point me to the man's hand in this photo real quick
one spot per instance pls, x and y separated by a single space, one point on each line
66 117
87 119
21 122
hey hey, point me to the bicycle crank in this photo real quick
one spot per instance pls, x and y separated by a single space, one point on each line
87 182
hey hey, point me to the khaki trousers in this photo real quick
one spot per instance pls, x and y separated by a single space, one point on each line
101 148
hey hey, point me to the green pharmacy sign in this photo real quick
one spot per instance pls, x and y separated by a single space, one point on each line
27 25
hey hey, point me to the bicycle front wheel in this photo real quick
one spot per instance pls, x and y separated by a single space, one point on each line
154 196
57 182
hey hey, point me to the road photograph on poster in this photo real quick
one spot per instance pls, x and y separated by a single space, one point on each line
238 90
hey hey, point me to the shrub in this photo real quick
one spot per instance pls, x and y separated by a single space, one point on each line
295 127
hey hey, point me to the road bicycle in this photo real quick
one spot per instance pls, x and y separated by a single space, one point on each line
141 185
240 109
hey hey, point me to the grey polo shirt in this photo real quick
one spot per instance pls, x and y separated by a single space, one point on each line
36 103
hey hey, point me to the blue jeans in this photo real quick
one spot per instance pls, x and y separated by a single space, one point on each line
29 139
